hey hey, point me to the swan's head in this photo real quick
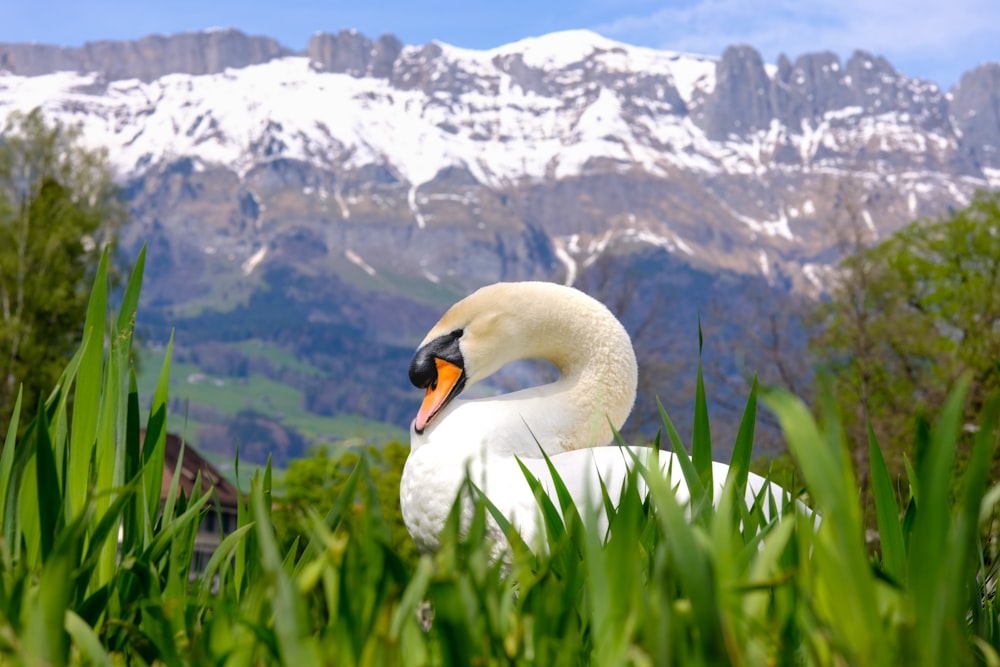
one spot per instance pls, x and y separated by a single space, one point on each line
471 341
505 322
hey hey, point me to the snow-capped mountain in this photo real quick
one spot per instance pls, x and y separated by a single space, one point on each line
420 172
757 149
754 151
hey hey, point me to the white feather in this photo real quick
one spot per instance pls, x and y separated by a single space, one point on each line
570 420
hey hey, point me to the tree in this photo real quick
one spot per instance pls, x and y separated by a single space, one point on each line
59 208
316 483
911 316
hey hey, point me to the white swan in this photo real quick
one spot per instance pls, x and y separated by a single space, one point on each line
569 419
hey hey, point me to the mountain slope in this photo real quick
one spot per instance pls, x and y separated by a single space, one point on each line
336 200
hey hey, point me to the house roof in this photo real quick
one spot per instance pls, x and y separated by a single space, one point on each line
226 492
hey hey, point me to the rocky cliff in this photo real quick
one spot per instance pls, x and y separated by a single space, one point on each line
368 184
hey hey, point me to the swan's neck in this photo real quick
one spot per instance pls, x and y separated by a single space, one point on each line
597 374
595 390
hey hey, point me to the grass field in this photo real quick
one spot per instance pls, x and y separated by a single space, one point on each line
283 403
94 570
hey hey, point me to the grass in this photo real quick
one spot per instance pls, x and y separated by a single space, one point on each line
441 294
229 288
279 357
230 395
93 570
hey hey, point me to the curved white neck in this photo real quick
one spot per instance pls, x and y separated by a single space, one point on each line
595 390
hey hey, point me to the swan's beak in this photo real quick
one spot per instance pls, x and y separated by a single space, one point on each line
438 367
450 379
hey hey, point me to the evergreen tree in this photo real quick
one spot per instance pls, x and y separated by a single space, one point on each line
58 209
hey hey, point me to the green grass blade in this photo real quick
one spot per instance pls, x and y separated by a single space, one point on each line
296 644
911 476
415 593
934 469
246 554
827 476
29 513
694 481
887 513
175 483
105 530
345 499
106 446
934 543
154 444
21 487
701 437
157 629
554 524
179 557
222 556
50 502
570 512
130 299
7 459
965 556
44 628
608 640
739 463
59 406
693 563
162 539
989 502
129 460
517 543
87 392
87 641
846 591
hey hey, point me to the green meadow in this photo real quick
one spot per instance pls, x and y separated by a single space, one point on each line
95 571
230 395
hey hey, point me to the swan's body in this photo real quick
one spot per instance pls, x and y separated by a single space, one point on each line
569 419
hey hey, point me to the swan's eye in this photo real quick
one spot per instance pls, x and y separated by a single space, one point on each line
423 368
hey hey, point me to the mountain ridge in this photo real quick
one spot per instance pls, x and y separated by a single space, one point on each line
548 110
339 196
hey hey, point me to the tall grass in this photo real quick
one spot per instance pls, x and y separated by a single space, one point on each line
94 570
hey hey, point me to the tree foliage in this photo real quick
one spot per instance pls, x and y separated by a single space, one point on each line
58 209
315 484
910 317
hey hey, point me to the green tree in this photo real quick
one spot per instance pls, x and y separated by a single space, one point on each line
908 318
58 209
316 483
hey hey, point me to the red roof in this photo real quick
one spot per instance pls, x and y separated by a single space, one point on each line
226 492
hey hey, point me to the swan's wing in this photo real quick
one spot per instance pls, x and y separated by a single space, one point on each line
582 471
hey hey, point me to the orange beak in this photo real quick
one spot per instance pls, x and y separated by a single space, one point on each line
438 393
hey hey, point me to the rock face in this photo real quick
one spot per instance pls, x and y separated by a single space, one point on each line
742 101
349 52
975 107
146 59
351 192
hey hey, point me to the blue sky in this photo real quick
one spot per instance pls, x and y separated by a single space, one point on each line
927 38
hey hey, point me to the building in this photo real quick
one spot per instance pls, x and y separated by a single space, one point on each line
220 519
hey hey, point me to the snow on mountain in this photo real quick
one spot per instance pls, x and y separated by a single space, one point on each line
337 197
596 99
284 107
720 158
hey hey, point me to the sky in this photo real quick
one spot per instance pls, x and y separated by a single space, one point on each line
934 40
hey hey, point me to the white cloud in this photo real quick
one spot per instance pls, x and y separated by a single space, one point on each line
938 38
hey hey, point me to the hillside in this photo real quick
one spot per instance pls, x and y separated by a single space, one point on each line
330 204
